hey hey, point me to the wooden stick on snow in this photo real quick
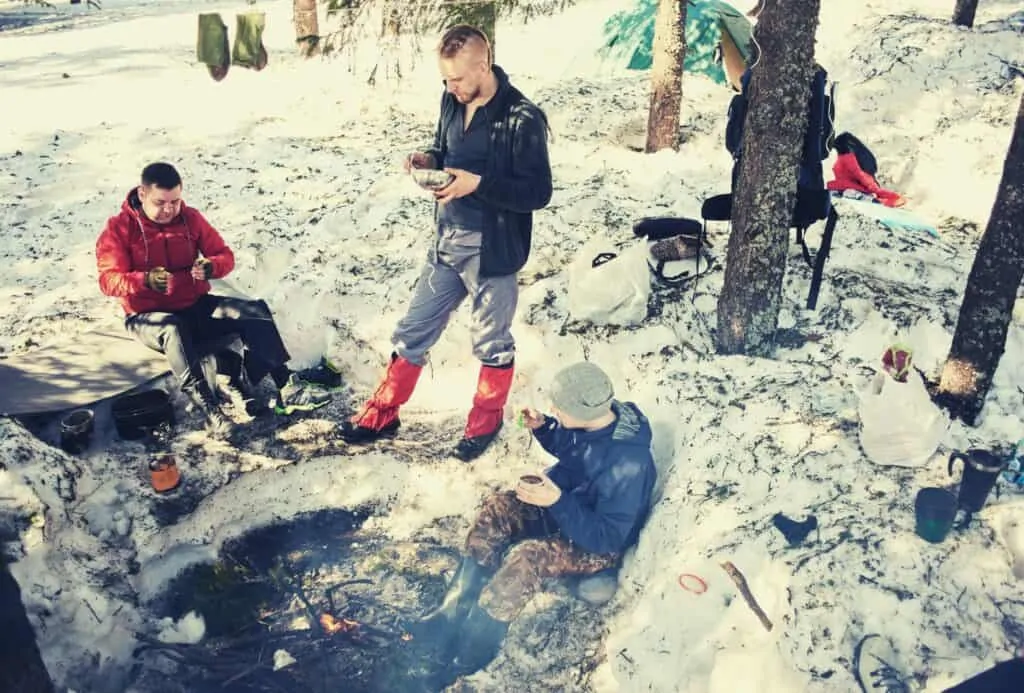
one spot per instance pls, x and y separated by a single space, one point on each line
741 583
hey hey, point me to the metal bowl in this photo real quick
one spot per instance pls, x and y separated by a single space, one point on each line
431 178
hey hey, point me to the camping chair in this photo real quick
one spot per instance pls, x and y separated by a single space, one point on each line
808 206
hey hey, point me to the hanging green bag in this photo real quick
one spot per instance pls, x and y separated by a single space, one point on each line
212 46
249 50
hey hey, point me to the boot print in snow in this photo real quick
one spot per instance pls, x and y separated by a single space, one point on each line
212 47
249 50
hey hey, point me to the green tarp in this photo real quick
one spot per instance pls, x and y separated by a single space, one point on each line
630 35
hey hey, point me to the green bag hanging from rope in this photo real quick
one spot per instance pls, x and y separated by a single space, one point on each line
249 50
212 46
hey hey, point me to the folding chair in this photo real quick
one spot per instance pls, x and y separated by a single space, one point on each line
808 210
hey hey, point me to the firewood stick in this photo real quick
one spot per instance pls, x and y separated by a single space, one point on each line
741 584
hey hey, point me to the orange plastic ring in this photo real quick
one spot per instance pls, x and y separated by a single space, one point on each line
701 586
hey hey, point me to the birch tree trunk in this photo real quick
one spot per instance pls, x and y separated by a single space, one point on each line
987 308
765 194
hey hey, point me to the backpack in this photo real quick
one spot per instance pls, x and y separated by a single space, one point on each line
813 201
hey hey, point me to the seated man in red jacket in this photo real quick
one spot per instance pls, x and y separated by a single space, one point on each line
157 256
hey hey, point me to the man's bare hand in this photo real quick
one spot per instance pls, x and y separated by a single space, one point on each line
418 160
531 418
157 279
202 269
464 183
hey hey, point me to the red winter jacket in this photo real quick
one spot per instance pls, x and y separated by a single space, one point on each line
131 245
850 176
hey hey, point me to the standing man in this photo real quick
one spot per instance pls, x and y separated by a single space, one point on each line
157 255
493 142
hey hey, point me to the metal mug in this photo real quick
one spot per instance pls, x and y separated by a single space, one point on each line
981 471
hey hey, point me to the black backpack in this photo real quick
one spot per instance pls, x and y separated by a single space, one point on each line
813 201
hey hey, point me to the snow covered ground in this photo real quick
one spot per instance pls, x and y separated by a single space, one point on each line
298 166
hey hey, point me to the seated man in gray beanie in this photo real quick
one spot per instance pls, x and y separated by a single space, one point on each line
576 519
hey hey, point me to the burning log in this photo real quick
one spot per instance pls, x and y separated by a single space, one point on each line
332 625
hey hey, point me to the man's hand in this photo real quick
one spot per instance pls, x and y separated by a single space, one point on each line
157 278
543 495
418 160
202 269
464 183
531 418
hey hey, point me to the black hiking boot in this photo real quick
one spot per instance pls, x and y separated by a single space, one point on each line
354 434
199 392
479 642
254 406
468 449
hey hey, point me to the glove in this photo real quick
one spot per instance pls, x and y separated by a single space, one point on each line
157 279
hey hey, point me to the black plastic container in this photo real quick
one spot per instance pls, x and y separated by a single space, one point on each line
137 414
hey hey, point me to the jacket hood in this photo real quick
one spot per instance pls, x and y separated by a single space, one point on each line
631 427
132 204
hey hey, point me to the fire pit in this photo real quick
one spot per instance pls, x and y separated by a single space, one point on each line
316 604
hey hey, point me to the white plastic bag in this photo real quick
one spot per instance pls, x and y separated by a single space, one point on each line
900 425
607 287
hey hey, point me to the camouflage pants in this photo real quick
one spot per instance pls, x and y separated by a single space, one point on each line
537 552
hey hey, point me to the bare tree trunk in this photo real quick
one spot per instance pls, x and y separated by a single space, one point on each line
21 666
980 337
963 13
307 27
667 75
765 193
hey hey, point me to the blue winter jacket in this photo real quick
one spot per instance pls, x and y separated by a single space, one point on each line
606 477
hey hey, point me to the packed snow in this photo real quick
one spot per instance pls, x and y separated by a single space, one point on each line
298 167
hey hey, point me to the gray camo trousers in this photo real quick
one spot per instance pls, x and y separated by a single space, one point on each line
452 273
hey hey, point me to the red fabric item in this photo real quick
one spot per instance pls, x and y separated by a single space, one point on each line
394 391
131 245
850 176
488 409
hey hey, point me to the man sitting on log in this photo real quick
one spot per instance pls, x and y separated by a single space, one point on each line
157 255
576 519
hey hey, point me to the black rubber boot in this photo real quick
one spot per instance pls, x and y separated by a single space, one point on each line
479 642
463 591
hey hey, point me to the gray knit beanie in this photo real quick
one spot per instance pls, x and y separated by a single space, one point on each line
583 391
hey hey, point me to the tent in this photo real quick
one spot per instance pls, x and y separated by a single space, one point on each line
629 36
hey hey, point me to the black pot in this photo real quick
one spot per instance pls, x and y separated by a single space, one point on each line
76 430
137 414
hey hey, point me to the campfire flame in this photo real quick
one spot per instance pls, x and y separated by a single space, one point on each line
332 625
